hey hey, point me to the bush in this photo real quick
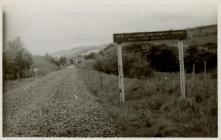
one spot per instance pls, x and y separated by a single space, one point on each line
134 65
52 59
90 56
163 58
62 60
107 63
198 54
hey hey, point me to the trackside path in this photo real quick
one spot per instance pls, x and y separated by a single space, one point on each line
58 104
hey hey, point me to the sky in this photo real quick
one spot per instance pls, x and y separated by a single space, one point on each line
50 27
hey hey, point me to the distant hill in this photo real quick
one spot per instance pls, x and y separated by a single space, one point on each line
83 50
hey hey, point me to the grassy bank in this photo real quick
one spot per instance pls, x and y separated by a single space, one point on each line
153 107
44 67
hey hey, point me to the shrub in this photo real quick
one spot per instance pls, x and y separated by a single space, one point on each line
134 65
196 54
62 60
90 56
107 63
163 58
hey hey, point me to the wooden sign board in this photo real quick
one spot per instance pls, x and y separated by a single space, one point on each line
150 36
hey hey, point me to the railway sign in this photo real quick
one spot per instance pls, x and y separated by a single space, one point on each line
150 36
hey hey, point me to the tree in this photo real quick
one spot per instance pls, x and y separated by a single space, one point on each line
62 60
16 59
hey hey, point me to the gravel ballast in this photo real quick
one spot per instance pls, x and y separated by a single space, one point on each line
57 105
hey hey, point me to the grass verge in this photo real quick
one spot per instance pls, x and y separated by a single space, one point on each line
153 107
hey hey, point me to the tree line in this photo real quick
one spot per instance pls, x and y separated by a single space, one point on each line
18 61
60 62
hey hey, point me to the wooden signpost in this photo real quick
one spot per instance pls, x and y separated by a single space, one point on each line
120 70
36 72
150 36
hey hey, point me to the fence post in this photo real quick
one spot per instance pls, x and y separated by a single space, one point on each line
18 75
193 73
205 71
36 72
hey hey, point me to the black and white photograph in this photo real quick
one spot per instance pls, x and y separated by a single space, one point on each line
138 69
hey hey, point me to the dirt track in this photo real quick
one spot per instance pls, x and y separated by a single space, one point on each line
56 105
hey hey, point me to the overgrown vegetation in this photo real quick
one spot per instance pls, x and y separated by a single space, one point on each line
141 59
60 62
197 54
90 56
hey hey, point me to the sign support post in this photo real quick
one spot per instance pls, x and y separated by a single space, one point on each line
182 72
120 73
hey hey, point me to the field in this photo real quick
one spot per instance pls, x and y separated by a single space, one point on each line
44 67
153 107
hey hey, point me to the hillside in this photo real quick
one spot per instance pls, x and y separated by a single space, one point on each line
140 59
78 51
